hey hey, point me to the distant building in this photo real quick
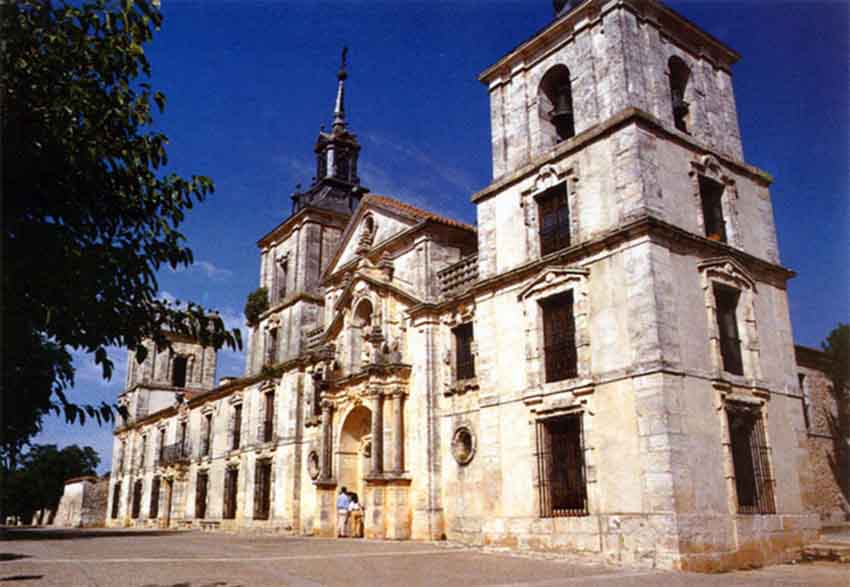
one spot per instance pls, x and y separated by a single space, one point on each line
83 503
604 365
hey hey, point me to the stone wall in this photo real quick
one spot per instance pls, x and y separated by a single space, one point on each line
822 490
83 503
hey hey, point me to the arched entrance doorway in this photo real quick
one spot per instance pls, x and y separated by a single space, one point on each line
354 452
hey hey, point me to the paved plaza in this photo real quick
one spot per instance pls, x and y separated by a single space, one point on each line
30 557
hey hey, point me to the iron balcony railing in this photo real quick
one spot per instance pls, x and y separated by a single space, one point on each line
175 454
458 277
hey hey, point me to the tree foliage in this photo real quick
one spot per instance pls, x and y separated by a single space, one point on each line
837 347
89 213
257 303
40 480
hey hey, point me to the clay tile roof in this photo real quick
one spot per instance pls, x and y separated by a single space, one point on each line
419 213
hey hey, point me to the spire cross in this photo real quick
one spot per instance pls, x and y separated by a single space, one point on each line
339 109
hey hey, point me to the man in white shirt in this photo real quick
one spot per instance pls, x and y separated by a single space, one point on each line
342 503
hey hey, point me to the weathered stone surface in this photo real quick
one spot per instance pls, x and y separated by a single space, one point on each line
362 351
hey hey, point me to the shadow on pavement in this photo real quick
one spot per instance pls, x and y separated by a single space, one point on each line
20 578
76 533
11 556
216 584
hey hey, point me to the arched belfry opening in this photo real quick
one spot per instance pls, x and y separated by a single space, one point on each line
680 76
555 106
354 450
361 324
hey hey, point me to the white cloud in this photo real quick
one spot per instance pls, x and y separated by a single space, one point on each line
451 174
207 268
212 271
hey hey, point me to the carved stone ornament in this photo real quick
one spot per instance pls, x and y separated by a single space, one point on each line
463 445
313 465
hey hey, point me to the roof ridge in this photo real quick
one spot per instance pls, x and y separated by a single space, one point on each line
417 211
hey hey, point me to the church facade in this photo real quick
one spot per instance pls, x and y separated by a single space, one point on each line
604 364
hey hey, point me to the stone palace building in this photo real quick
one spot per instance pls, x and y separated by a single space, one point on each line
604 364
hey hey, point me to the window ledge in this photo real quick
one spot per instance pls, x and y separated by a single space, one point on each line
462 386
578 386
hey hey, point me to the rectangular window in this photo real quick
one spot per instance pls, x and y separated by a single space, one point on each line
178 377
183 439
201 484
154 505
711 196
237 426
121 451
560 467
464 359
726 300
262 489
271 351
559 337
231 480
137 499
282 271
116 500
554 219
268 422
206 444
161 451
144 449
801 380
753 481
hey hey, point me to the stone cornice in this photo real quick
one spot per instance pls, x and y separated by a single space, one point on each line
620 120
282 230
675 26
643 226
291 301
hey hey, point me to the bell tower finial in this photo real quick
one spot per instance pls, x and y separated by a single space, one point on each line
339 108
336 185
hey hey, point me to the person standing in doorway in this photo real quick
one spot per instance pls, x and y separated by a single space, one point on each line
342 503
355 517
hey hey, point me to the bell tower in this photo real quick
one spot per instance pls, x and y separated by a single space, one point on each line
336 185
597 59
622 207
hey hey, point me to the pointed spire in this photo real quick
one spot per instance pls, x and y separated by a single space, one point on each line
339 108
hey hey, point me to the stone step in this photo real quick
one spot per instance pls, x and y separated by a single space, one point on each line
832 551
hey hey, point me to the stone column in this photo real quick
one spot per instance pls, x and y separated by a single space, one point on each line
325 465
377 434
398 432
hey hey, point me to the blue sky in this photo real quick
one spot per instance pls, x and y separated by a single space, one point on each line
249 83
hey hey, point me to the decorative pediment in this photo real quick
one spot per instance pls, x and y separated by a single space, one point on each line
371 225
727 269
546 177
552 277
709 166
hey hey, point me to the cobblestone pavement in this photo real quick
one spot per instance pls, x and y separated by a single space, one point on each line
31 557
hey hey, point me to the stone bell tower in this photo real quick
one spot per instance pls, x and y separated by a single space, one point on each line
296 252
652 304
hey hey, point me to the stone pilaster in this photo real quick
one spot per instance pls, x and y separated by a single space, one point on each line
327 423
377 434
398 432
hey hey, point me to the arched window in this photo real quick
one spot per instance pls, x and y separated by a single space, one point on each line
680 75
555 105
